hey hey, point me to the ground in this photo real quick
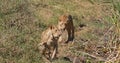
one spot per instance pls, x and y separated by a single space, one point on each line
97 29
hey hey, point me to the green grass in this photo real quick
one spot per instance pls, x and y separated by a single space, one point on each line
22 21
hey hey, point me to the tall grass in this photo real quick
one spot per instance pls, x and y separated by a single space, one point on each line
22 21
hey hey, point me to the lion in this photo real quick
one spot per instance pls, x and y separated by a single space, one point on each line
49 42
66 23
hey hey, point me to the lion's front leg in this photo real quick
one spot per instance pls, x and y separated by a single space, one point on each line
72 35
55 51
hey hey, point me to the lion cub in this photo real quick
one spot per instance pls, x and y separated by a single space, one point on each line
49 42
66 23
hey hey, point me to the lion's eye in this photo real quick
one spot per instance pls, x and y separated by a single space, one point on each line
62 24
56 30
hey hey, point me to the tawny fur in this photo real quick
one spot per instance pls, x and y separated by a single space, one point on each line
66 23
49 42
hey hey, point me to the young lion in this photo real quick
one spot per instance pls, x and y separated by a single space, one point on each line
49 43
66 23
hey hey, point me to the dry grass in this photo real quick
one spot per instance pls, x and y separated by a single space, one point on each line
22 21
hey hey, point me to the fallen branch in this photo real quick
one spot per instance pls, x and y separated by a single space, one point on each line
96 57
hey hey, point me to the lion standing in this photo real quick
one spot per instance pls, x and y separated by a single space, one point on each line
66 23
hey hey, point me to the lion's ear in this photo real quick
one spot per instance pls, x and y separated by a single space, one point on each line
51 27
70 17
60 19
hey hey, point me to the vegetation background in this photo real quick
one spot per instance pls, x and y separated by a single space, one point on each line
97 29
